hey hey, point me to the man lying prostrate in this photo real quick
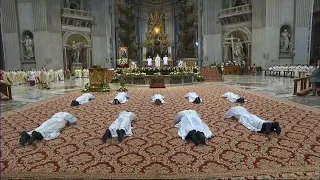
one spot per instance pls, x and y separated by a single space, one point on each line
233 97
120 127
48 130
191 127
252 122
193 97
84 98
158 99
121 98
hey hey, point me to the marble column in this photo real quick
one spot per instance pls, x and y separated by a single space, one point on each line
169 26
67 4
81 5
226 50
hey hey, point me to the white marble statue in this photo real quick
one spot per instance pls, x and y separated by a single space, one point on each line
238 50
180 64
28 44
285 41
157 61
76 50
133 65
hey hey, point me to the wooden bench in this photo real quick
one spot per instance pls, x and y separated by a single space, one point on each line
6 90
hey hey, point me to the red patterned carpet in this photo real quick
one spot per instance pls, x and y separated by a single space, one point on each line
155 150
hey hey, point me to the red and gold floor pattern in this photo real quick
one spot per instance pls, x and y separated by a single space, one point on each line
155 150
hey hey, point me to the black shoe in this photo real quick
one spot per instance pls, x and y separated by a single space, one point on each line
197 100
24 138
33 137
38 136
268 128
240 100
202 139
277 127
158 102
116 101
106 135
120 134
193 137
74 103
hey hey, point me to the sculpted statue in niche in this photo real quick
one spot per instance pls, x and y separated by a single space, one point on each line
238 50
28 45
76 51
285 41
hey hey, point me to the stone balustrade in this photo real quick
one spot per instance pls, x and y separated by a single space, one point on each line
235 11
71 13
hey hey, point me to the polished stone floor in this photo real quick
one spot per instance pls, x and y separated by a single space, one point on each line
279 87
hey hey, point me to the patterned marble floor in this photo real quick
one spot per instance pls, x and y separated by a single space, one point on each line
279 87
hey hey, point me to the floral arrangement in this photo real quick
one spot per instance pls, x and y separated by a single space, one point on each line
122 85
122 62
86 88
200 78
104 88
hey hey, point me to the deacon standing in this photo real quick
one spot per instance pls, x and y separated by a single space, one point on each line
193 97
233 97
315 79
253 122
149 61
158 99
50 129
120 127
84 98
191 127
121 98
165 60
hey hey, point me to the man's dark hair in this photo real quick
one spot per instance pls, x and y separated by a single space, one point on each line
240 100
158 102
197 100
74 103
116 101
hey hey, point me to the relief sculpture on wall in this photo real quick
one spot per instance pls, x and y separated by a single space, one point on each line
28 46
286 46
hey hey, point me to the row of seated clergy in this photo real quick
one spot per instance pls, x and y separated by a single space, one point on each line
296 69
40 76
189 123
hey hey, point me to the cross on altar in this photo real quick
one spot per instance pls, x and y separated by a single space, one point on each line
232 44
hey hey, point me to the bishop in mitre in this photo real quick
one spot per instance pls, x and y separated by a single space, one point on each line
157 61
121 127
48 130
191 127
193 97
253 122
83 99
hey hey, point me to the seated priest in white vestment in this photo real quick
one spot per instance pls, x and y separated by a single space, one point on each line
121 98
165 60
193 97
48 130
253 122
191 127
84 98
158 99
121 127
233 97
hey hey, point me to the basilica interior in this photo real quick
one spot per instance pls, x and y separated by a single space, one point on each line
142 89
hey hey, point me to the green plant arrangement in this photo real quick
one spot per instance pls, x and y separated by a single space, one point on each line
104 88
86 88
122 85
200 78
